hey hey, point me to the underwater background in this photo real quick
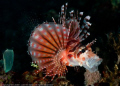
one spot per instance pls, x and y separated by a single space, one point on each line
19 17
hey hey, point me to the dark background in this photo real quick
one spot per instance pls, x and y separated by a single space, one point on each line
19 17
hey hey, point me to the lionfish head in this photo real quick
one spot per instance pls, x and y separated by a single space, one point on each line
88 59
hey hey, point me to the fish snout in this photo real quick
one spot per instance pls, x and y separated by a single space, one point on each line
92 63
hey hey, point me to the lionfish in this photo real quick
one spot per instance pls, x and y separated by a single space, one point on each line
55 46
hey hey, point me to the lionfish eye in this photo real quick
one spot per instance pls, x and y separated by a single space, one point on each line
83 50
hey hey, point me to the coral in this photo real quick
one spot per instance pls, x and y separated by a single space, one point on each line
61 81
113 78
114 42
32 78
6 74
6 78
91 78
8 58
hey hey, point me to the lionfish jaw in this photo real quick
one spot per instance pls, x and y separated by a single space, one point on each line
93 63
89 60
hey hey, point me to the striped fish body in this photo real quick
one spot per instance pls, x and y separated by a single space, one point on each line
55 46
